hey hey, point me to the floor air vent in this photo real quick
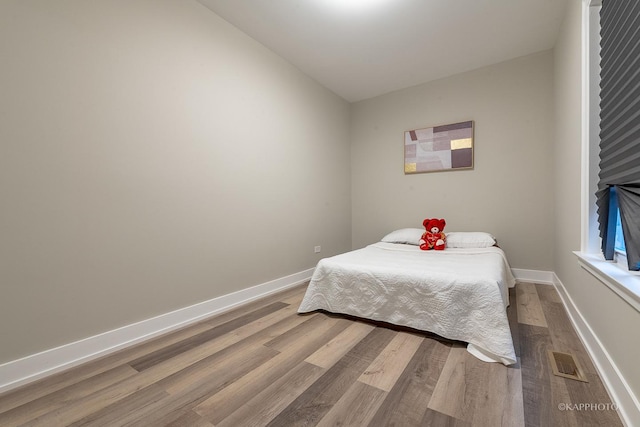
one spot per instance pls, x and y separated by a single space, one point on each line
566 366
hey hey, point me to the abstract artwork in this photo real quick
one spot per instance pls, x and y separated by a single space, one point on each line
439 148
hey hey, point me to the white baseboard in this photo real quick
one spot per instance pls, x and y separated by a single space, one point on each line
619 390
533 276
31 368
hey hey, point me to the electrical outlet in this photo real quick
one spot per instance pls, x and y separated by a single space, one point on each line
317 249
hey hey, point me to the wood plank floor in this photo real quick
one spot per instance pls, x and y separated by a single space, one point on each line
265 365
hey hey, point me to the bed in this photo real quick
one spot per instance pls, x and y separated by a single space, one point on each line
460 293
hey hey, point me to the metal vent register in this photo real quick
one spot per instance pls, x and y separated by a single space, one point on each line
566 366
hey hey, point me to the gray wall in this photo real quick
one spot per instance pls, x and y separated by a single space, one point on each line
508 193
151 157
612 320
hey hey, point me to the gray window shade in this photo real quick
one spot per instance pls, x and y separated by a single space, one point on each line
629 202
620 121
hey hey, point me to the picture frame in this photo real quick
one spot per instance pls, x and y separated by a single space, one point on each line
439 148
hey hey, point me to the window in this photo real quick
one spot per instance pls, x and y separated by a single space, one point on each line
614 275
618 192
619 239
614 247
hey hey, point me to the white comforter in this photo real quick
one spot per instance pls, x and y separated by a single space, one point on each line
460 294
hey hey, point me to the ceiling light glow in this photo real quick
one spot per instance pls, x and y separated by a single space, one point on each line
353 5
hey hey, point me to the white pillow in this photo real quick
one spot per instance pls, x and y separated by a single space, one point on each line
469 239
408 236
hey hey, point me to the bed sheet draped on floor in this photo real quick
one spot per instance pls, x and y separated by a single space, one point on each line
460 294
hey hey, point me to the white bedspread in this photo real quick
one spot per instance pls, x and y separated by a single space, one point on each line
460 294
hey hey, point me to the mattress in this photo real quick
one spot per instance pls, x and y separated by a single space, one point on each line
459 294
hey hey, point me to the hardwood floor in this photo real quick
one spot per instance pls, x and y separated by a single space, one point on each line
265 365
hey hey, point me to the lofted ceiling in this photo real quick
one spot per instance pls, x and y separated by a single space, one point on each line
363 48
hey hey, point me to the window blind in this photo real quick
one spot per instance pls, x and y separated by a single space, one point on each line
620 124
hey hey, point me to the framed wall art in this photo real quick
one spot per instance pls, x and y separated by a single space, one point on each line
439 148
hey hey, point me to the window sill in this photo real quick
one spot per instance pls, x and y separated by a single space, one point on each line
620 281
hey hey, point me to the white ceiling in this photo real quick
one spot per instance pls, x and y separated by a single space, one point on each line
363 48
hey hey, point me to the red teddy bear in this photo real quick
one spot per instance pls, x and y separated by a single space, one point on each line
433 238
